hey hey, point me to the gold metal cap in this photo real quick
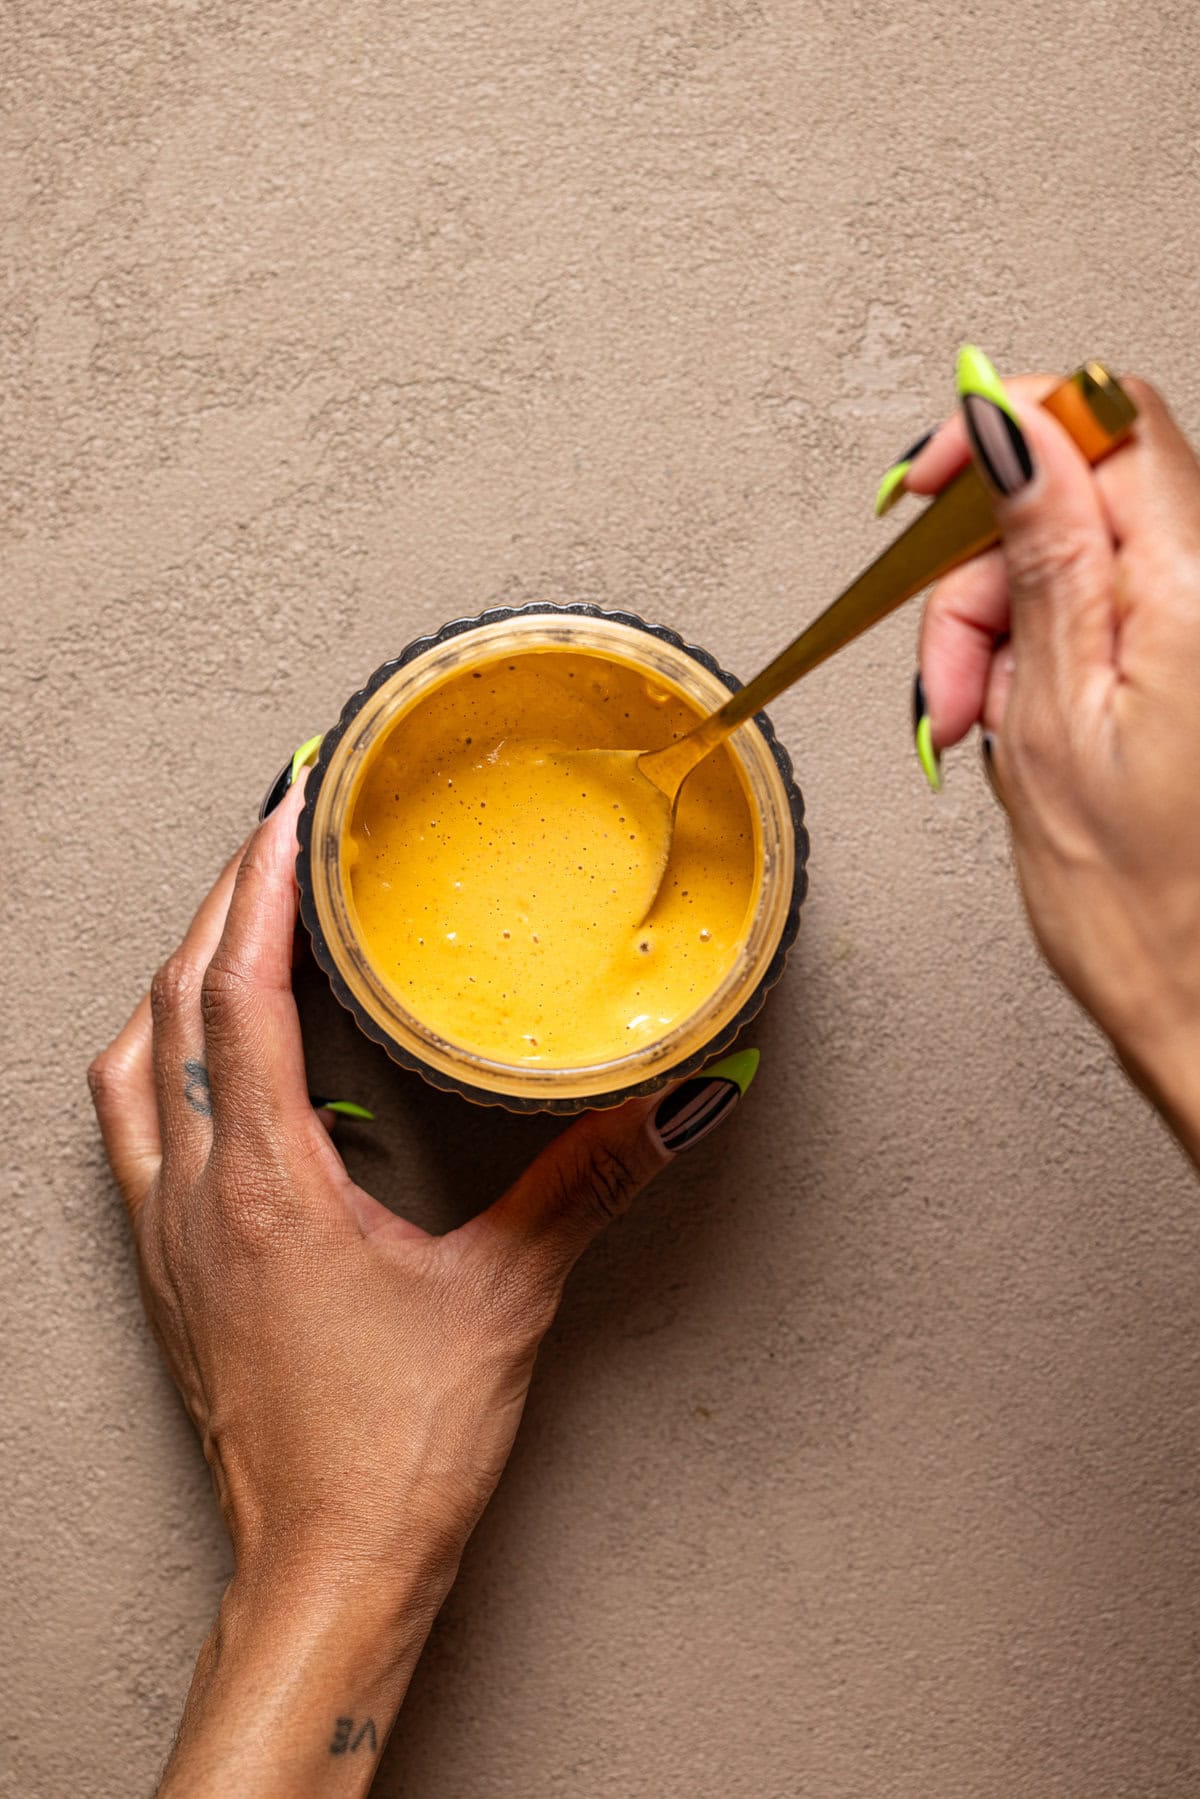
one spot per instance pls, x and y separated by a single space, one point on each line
1094 407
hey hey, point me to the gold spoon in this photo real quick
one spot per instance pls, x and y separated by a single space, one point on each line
959 523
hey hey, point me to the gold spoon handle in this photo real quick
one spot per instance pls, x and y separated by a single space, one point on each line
959 523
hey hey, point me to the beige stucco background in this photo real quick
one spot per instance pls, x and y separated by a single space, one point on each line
865 1459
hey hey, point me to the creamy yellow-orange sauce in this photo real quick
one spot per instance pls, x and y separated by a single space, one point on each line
496 884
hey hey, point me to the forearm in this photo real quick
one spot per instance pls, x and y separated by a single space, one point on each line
298 1685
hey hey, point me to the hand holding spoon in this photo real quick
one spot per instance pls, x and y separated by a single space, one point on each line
958 524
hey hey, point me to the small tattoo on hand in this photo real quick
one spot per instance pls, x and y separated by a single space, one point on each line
196 1089
347 1738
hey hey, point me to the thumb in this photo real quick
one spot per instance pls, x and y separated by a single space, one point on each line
591 1174
1058 544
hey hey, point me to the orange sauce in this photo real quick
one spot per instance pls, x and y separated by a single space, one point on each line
494 886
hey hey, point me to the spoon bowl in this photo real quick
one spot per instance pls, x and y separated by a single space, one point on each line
630 809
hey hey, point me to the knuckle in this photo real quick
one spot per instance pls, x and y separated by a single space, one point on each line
105 1075
597 1182
1049 557
612 1182
173 987
224 988
253 875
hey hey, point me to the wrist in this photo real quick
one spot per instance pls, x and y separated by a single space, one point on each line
357 1627
1144 993
301 1677
1161 1052
331 1589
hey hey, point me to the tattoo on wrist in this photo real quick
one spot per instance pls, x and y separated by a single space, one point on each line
350 1735
196 1089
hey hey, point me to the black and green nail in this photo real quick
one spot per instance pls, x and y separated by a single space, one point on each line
345 1108
891 488
927 754
699 1105
997 439
304 757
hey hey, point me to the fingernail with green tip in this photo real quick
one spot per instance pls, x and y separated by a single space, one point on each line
997 441
699 1105
345 1108
304 757
891 488
927 755
741 1067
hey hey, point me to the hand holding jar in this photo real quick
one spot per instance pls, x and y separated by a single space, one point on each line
356 1382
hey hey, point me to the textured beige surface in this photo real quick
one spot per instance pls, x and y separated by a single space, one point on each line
864 1458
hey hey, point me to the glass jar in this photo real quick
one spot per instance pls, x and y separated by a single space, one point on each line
328 912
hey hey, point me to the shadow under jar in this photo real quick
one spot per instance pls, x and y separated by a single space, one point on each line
517 657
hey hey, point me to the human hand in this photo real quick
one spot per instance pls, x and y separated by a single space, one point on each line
1076 645
355 1381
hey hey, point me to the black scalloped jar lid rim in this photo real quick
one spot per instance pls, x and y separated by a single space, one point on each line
372 1029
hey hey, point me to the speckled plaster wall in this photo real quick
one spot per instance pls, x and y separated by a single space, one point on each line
864 1460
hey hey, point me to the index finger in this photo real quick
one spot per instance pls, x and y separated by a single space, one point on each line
948 450
127 1087
255 1056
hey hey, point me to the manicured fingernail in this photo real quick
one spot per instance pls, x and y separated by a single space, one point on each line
699 1105
927 755
304 757
892 485
997 439
345 1108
